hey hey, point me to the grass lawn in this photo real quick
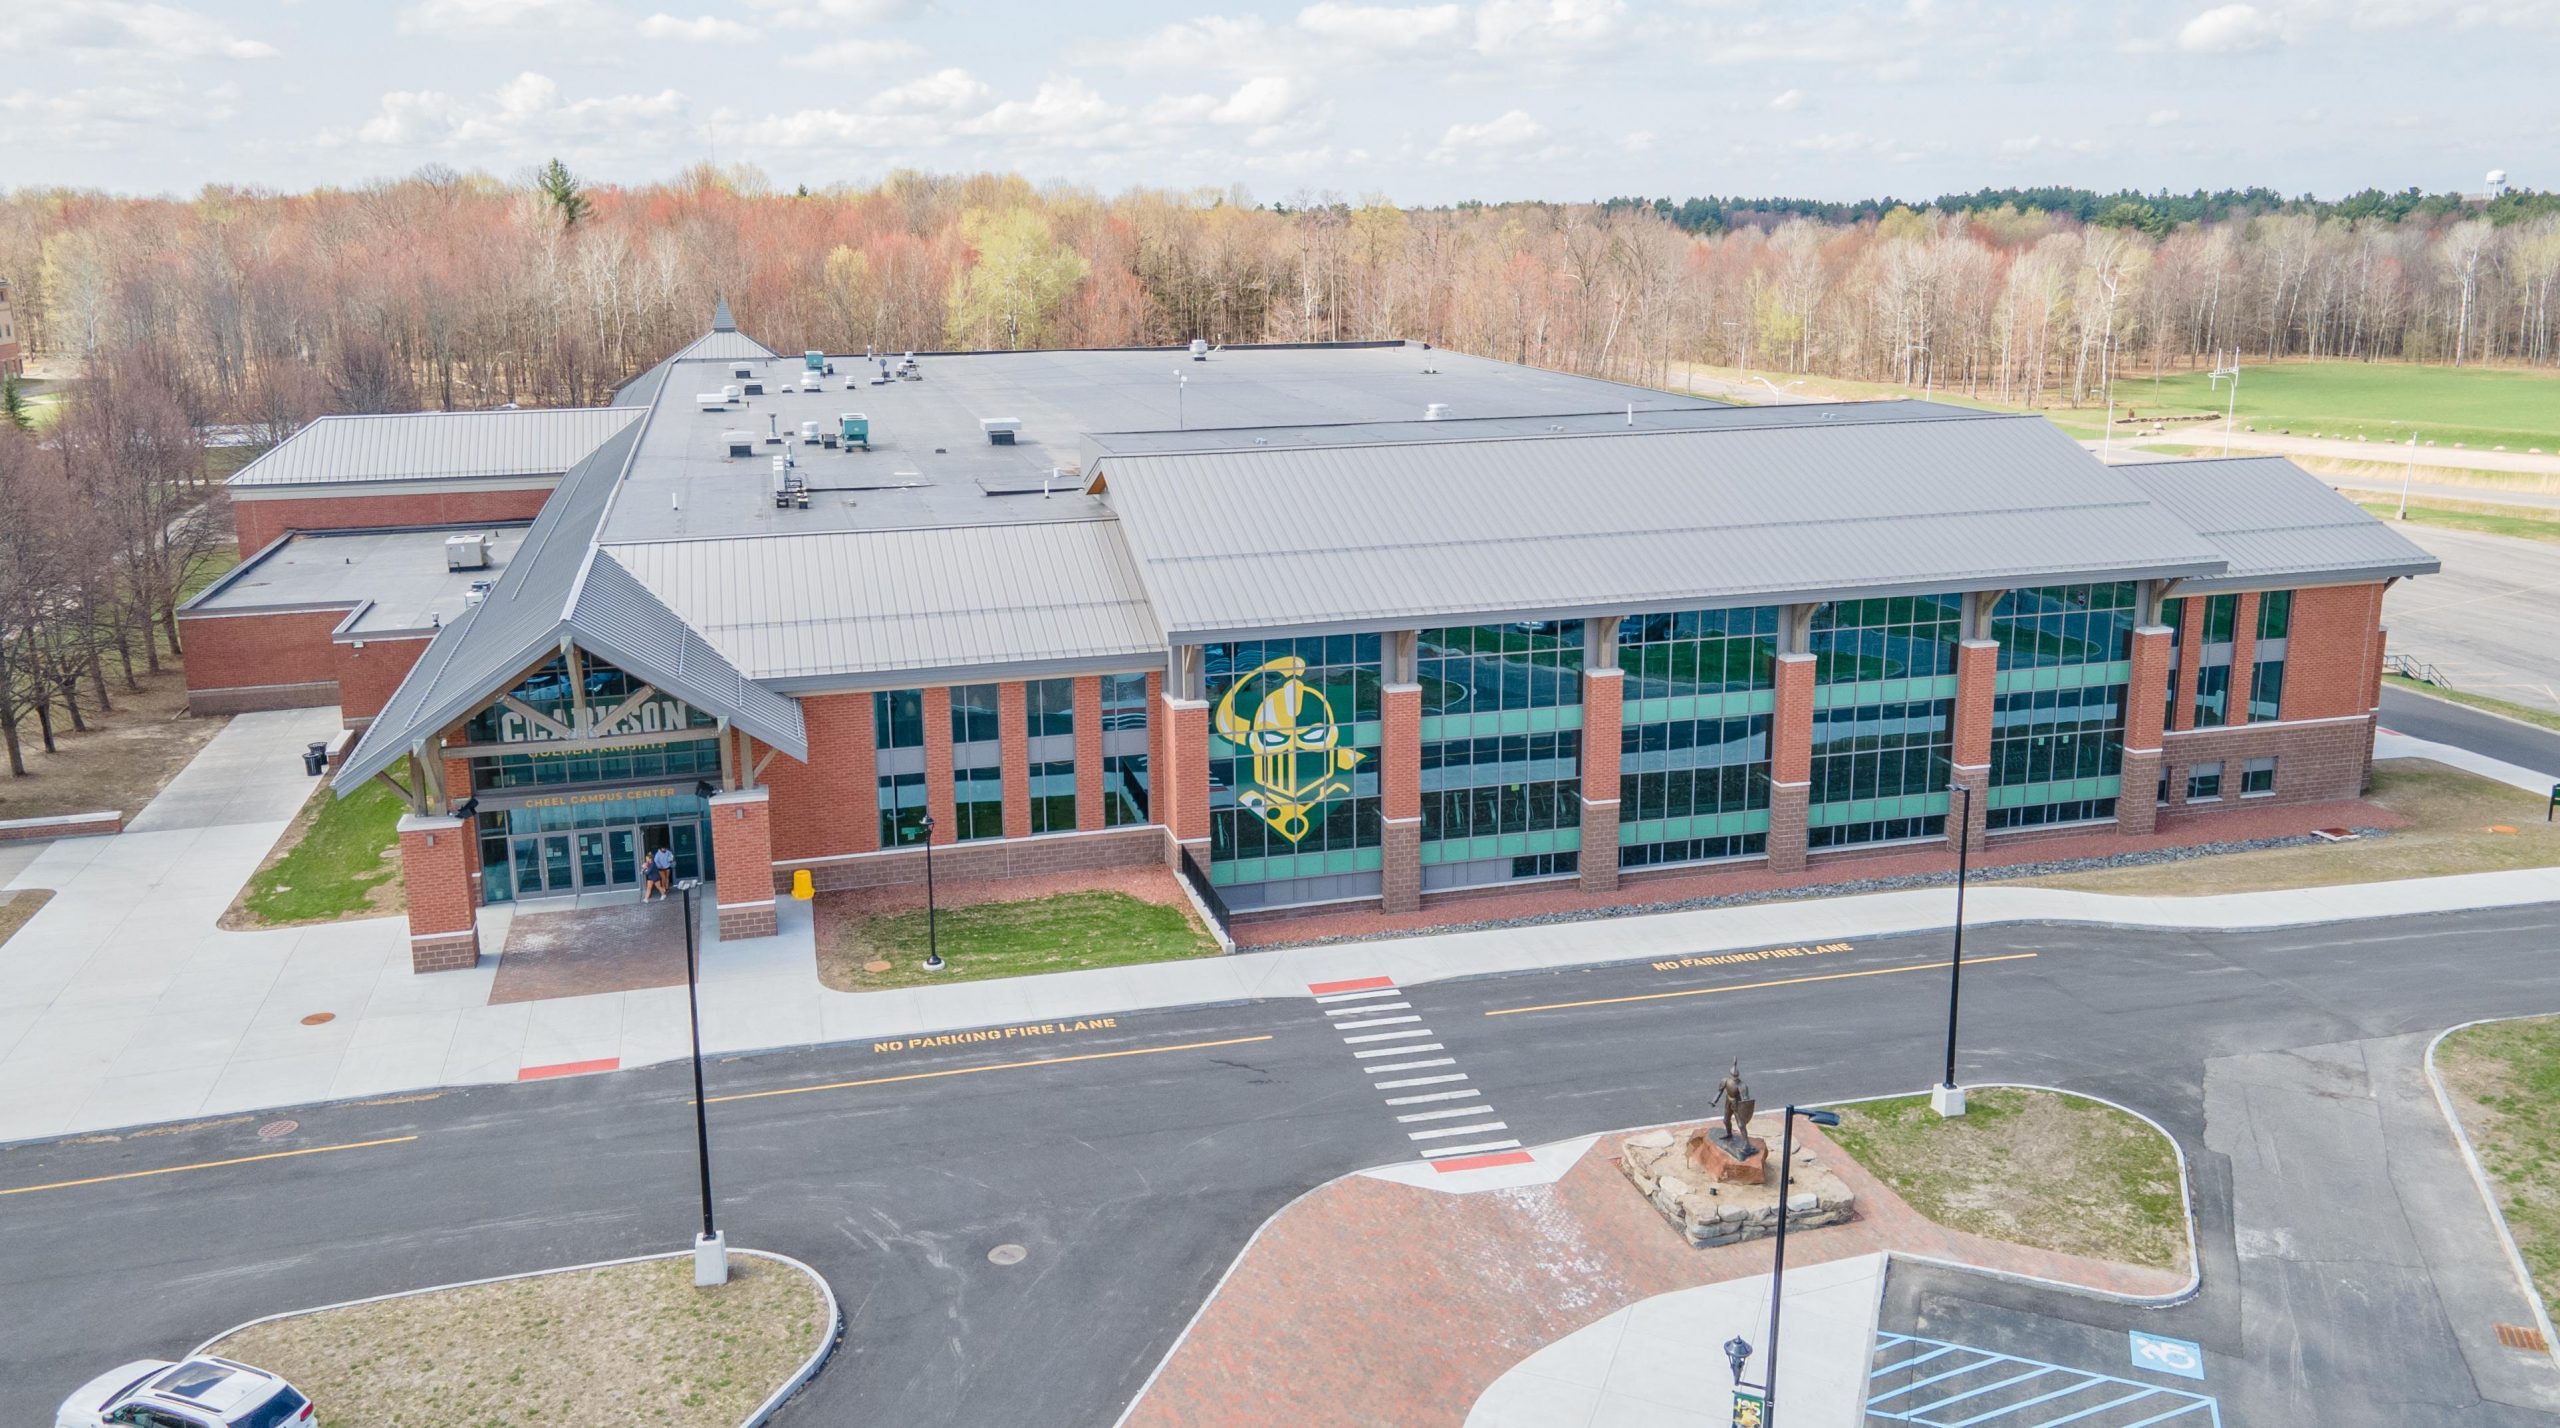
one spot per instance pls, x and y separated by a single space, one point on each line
2526 712
2504 1078
1064 932
2034 1168
633 1343
16 908
2480 407
2451 814
2515 522
336 861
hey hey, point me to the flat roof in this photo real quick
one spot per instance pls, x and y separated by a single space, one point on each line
399 575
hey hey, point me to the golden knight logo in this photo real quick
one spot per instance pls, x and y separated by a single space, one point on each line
1298 759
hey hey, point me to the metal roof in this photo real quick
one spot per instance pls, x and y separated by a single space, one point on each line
1384 537
1703 417
2277 524
428 446
724 345
810 610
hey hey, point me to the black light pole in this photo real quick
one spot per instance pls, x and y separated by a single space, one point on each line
932 945
1955 960
1737 1350
710 1253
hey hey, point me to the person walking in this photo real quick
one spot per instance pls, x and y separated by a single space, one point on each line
662 874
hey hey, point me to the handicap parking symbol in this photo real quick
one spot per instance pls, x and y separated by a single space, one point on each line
2177 1356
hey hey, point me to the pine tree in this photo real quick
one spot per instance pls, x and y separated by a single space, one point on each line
560 188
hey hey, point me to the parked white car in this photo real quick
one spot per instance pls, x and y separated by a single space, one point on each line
199 1393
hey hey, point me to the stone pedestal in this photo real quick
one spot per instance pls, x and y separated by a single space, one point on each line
1707 1212
1721 1161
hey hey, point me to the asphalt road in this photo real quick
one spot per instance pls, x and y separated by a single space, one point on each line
2486 618
2423 717
1134 1161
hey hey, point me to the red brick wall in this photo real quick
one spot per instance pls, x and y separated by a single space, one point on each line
830 804
285 652
1183 778
1400 752
1155 747
2333 655
366 676
259 522
1134 847
1790 762
1603 718
2314 762
938 801
742 846
1977 691
1013 744
1089 752
2147 690
436 872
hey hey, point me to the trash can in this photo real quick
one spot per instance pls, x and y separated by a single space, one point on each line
315 760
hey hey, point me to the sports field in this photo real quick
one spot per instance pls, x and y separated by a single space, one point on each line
2478 407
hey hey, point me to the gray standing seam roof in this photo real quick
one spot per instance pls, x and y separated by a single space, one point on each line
2275 522
425 446
725 345
1376 538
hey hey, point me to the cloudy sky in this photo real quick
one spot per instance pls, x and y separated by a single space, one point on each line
1559 99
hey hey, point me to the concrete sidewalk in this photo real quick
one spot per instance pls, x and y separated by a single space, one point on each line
121 1003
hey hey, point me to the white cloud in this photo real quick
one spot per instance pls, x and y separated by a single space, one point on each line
2230 29
701 30
1639 141
1383 27
1840 141
112 116
1507 133
524 114
1546 25
125 30
489 19
1792 100
2161 118
1067 113
823 14
1212 44
854 56
945 91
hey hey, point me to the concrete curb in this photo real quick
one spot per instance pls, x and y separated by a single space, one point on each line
61 825
764 1412
2480 1179
2426 692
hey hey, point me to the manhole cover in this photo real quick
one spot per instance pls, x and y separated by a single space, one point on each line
319 1018
1006 1254
277 1130
875 966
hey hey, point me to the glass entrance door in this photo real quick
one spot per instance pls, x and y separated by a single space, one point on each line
620 846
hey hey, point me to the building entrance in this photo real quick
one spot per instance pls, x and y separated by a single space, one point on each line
556 847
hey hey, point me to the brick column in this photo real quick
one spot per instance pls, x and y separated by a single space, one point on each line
457 787
1089 752
1603 708
2182 710
435 853
2244 658
1790 762
2146 694
938 793
1013 742
742 847
1156 716
1977 696
1400 797
1182 780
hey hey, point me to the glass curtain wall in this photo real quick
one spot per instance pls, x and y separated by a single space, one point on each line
1124 750
1293 769
1049 713
1693 769
897 739
1501 752
977 763
2266 680
2057 720
2213 659
1883 709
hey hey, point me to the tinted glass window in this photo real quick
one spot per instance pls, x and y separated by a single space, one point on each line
275 1412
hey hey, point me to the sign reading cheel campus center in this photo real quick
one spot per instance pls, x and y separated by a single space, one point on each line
1297 757
522 724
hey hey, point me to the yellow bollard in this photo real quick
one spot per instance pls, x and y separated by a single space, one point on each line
801 887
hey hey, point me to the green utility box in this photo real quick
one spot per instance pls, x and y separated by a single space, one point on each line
857 430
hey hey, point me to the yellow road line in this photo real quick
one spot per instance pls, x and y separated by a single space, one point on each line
974 1070
210 1164
1753 986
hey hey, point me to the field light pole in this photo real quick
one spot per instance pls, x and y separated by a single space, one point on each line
2408 468
1737 1350
932 945
1948 1098
710 1249
2231 413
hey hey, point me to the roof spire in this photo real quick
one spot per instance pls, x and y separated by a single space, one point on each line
721 321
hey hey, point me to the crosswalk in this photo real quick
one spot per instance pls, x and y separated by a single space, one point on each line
1442 1114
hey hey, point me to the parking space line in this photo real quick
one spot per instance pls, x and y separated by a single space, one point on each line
2009 1371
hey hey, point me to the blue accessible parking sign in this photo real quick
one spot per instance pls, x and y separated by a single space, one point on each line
2177 1356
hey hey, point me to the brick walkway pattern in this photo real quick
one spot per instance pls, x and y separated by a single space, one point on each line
1372 1304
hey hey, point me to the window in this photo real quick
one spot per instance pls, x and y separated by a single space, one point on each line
2266 688
2064 625
974 714
897 719
2266 683
1519 783
1266 848
1675 652
2257 778
2275 614
897 731
2162 796
1687 768
1855 641
1124 749
977 763
1479 784
2213 691
2213 660
2204 783
2173 615
1049 714
1049 707
1476 669
2221 616
2057 741
1892 759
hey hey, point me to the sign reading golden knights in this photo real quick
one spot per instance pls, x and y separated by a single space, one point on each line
1298 759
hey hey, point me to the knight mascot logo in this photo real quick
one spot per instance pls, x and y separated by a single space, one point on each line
1298 757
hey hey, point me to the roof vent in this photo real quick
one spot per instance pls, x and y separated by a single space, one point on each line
711 401
1001 430
740 443
1437 411
1199 349
742 370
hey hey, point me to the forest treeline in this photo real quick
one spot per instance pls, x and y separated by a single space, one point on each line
454 290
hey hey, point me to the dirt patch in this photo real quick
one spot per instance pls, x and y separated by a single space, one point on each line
121 763
877 938
2035 1168
2503 1078
624 948
632 1343
17 907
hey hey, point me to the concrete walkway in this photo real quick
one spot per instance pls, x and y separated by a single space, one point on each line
121 1004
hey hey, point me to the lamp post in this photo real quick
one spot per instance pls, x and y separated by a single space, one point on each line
1737 1350
2230 413
710 1249
932 944
1947 1099
2408 468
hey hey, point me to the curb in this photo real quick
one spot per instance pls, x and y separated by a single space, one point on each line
2421 691
764 1412
2480 1179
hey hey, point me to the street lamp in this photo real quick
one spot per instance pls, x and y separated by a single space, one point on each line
1948 1099
2230 413
1737 1350
2408 468
710 1250
932 944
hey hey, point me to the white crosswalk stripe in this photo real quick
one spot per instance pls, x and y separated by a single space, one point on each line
1400 1050
1419 1097
1423 1064
1356 1015
1456 1130
1364 1011
1378 1021
1477 1148
1331 997
1385 1036
1421 1081
1440 1115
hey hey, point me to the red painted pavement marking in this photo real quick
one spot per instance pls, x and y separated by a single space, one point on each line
569 1068
1480 1162
1356 984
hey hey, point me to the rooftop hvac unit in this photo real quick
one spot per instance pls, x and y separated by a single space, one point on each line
1436 411
467 552
789 491
808 433
712 401
740 443
856 429
755 389
478 592
1000 430
811 381
732 392
1199 349
814 361
742 370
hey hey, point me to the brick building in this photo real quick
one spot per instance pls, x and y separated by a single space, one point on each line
13 358
1350 625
